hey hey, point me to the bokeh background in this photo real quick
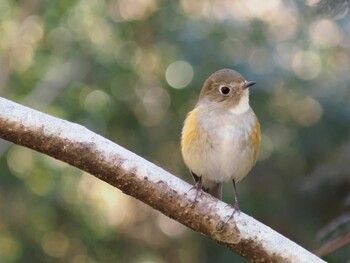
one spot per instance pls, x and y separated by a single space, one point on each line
130 70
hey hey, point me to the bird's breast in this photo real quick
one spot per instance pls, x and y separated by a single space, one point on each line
220 147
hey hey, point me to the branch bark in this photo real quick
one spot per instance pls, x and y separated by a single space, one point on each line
135 176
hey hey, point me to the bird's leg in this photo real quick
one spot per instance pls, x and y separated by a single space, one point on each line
198 186
236 204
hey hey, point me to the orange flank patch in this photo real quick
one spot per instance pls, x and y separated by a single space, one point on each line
256 140
190 132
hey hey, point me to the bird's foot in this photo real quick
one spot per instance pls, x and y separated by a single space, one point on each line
198 188
236 209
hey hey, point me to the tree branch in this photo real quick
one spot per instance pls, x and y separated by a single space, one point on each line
78 146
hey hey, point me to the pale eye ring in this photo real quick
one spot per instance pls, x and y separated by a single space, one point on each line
225 90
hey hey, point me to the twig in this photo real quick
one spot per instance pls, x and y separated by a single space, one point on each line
333 245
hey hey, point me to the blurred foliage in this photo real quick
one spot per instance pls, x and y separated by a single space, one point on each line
130 70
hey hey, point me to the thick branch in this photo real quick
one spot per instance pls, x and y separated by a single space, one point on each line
78 146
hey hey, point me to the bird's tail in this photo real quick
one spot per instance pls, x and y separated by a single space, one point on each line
215 191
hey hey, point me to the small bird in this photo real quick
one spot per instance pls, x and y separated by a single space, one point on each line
221 136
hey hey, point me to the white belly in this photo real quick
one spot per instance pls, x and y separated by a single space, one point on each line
231 157
225 151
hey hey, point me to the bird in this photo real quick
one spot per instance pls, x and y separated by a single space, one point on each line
220 139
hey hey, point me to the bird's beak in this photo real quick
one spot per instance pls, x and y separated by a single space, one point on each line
248 84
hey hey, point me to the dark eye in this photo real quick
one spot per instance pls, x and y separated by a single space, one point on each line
225 90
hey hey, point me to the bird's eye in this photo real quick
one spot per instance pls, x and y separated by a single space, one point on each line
225 90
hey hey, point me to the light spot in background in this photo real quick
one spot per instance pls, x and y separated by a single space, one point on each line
20 161
233 50
339 62
284 53
325 33
81 258
156 101
260 61
60 39
199 29
8 30
10 248
119 83
279 135
306 65
234 10
68 185
77 23
128 54
285 25
31 30
53 163
21 56
20 40
170 227
179 74
262 9
5 8
112 207
266 149
152 58
99 32
115 207
97 101
91 7
55 244
132 9
149 258
195 8
40 182
155 104
312 2
307 111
